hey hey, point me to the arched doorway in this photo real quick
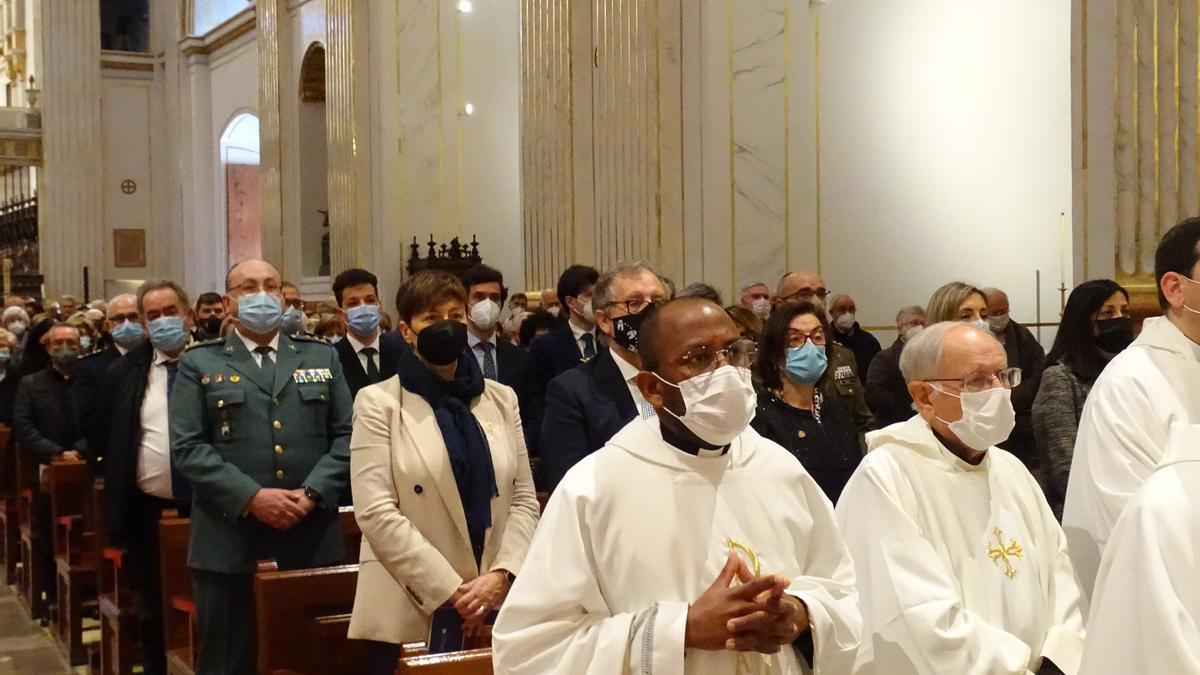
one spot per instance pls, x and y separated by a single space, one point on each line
314 165
243 206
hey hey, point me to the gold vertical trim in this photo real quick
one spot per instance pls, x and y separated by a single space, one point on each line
441 122
1086 189
732 154
817 125
461 121
787 138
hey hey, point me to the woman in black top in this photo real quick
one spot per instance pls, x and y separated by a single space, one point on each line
818 430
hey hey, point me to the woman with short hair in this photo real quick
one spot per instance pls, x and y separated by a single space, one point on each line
441 481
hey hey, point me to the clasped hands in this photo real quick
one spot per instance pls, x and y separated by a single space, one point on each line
756 616
281 509
476 598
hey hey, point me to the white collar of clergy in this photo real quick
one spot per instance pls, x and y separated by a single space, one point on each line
643 438
916 435
1160 333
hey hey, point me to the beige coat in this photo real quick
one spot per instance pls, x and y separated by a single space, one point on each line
415 548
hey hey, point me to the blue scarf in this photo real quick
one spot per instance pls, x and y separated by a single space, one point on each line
467 447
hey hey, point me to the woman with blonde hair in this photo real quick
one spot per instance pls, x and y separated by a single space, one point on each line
958 301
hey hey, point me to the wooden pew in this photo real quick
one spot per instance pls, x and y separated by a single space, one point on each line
69 486
301 619
473 662
118 603
10 532
31 583
178 605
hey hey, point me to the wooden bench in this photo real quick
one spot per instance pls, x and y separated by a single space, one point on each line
178 606
31 581
301 619
10 533
473 662
119 605
69 486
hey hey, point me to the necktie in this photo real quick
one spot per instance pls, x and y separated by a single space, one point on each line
589 346
372 367
172 371
268 363
489 361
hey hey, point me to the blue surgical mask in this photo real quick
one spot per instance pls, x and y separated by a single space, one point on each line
805 365
167 334
292 321
259 312
981 324
5 356
128 334
363 320
85 343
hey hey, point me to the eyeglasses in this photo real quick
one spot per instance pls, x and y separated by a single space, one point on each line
250 286
977 382
798 338
636 305
702 359
806 294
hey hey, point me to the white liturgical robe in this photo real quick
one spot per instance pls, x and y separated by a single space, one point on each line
639 529
961 568
1146 614
1143 390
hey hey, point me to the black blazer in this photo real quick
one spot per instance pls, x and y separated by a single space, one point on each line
550 355
85 393
513 369
43 423
120 409
585 407
391 345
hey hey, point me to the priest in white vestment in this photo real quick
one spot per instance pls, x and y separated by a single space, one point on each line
689 543
1143 390
1146 614
961 565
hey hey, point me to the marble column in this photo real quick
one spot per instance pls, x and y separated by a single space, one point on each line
347 127
71 229
273 41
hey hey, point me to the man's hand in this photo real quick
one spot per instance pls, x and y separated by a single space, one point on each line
779 620
70 456
276 508
302 500
709 617
477 597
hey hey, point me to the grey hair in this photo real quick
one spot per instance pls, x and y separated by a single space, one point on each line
750 285
834 299
923 354
181 295
602 295
909 312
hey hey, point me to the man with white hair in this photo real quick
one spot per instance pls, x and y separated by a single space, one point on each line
16 321
961 565
123 329
756 297
887 392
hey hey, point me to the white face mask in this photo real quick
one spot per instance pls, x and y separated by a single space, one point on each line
485 314
998 322
718 405
586 313
845 322
911 333
17 328
761 308
987 417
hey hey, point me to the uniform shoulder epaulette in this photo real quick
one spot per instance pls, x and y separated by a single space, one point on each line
91 354
205 343
311 338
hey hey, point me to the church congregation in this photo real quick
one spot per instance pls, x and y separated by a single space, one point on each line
449 337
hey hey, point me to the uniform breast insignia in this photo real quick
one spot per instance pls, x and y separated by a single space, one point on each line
999 552
220 378
235 378
843 373
205 379
311 375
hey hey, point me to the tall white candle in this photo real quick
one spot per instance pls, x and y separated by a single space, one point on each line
1064 248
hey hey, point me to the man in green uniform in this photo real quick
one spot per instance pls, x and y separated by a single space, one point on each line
260 427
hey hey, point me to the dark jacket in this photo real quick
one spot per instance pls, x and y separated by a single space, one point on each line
513 370
863 344
391 345
887 393
585 407
86 393
1024 352
1057 410
8 391
827 448
43 422
550 355
120 408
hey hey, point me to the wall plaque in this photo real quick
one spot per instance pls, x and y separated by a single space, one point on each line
129 248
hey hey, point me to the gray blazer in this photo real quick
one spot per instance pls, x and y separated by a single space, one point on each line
1057 409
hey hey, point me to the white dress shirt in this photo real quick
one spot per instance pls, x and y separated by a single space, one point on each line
579 333
251 345
360 346
474 342
629 372
154 455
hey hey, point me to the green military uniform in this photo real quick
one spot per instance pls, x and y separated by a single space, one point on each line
841 380
237 427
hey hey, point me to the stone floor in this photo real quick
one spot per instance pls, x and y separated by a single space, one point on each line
26 647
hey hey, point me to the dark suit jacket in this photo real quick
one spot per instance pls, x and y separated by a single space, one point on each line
887 393
42 420
86 393
8 392
585 407
391 345
120 408
550 355
513 370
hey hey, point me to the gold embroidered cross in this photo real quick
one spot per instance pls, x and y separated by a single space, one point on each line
999 551
744 664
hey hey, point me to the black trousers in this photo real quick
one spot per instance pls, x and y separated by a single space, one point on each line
43 553
225 623
142 542
381 657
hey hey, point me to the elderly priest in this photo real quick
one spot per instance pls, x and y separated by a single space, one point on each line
689 543
961 566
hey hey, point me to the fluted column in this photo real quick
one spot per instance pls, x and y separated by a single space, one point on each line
272 45
347 128
71 227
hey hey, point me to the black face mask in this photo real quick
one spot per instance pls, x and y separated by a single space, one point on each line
442 343
1114 334
625 330
211 326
